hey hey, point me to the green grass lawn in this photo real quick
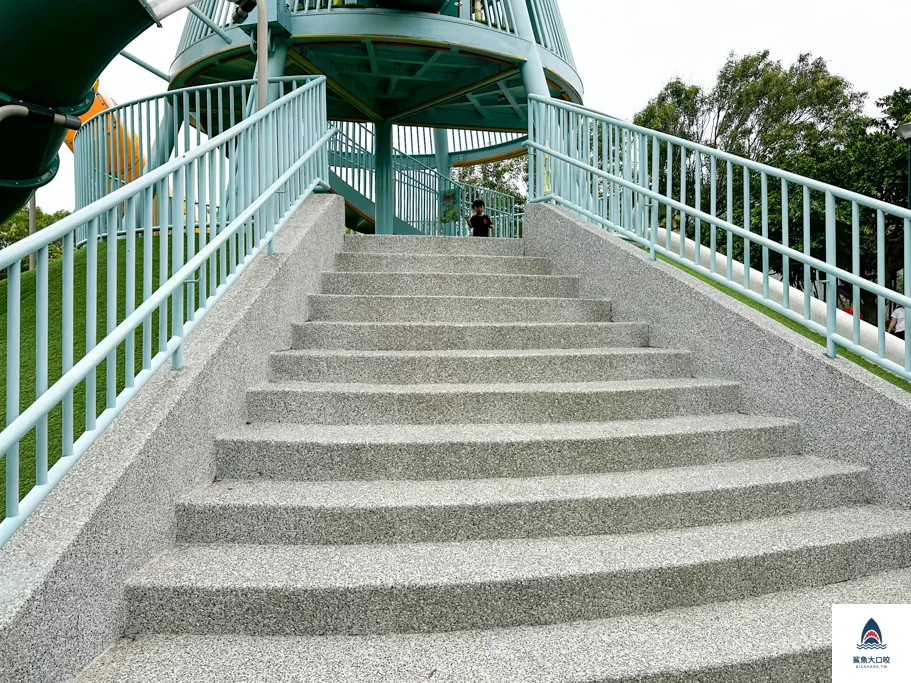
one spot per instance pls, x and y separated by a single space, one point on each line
27 348
797 327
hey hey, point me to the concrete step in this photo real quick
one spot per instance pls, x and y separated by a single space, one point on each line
478 451
352 261
451 284
442 336
434 587
489 367
328 403
281 512
417 244
455 309
743 641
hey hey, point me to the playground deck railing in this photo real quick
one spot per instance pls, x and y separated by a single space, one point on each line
125 320
419 188
698 206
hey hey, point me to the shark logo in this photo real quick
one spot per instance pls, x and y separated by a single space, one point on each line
872 637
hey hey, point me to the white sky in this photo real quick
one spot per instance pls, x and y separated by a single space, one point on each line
626 51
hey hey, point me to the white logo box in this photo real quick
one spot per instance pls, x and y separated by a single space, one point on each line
885 655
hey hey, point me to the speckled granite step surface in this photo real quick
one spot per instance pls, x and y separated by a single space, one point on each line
461 471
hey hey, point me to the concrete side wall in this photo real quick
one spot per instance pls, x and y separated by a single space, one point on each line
845 412
62 574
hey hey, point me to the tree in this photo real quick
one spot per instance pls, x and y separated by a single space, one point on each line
16 228
802 119
509 177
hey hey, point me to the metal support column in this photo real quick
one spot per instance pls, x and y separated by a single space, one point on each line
277 56
444 166
385 178
532 68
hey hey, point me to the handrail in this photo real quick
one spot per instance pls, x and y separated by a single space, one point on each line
663 193
847 195
145 325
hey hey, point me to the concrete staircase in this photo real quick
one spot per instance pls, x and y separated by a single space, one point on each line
462 471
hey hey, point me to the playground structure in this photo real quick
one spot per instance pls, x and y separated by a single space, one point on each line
179 194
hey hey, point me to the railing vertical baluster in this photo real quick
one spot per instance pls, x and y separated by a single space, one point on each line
729 246
91 313
764 179
807 283
656 170
855 268
163 236
41 361
831 280
906 263
747 225
683 157
177 261
13 337
713 209
881 280
129 292
697 202
786 241
66 338
148 207
669 193
111 305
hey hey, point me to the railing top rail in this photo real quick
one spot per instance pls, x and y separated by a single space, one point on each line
42 238
14 431
194 89
841 193
753 237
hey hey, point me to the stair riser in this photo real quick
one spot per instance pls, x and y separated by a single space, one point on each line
441 284
276 404
286 524
320 461
406 244
458 370
457 310
418 337
424 263
275 610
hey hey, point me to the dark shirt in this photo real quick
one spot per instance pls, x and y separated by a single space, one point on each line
481 225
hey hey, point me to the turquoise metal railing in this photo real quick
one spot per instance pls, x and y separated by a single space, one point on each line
494 14
419 188
176 259
695 205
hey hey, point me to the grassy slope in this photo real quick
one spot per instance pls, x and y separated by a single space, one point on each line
27 349
800 329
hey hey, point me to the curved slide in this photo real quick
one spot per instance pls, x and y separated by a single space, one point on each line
52 52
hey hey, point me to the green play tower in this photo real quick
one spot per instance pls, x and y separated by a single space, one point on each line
441 81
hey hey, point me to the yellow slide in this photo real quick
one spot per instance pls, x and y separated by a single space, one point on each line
126 147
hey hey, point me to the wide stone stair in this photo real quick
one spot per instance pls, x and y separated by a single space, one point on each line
463 471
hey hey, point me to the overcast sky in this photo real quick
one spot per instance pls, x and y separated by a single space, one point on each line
627 50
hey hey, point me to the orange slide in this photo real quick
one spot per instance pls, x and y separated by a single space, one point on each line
125 142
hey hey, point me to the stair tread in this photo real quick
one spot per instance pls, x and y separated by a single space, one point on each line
413 565
511 432
515 388
486 353
480 492
451 297
701 643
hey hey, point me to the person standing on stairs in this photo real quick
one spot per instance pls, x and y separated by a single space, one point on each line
897 324
479 223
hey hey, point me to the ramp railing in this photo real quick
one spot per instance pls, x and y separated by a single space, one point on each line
87 330
773 236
